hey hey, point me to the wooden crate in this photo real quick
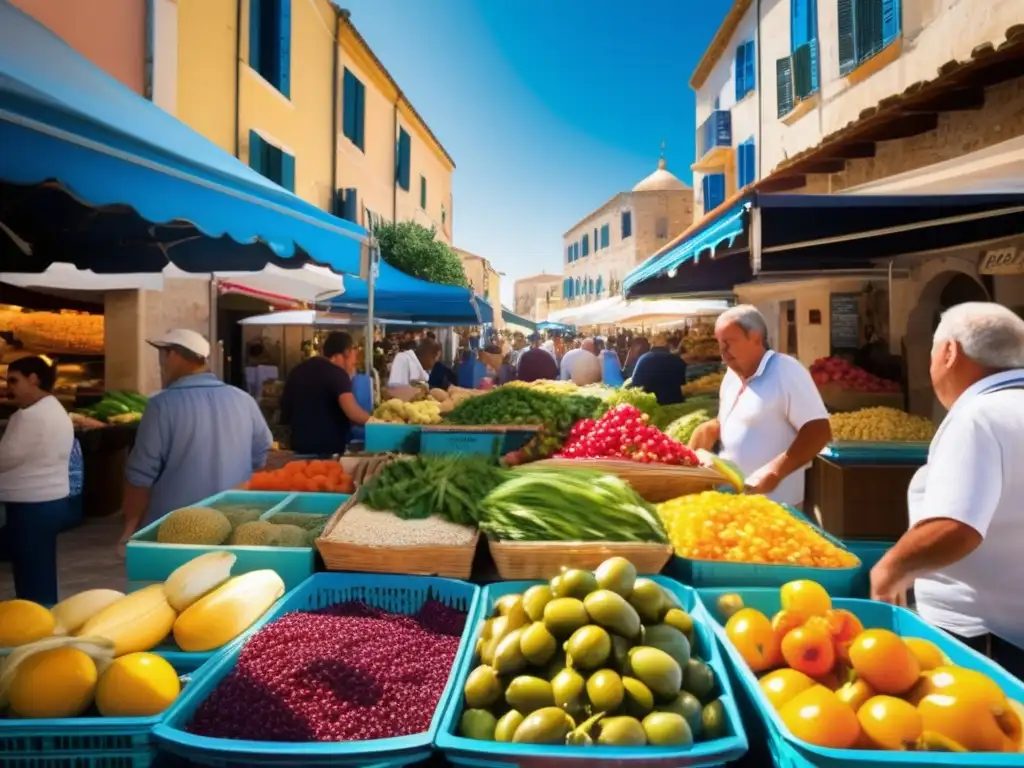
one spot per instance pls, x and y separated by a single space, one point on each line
860 501
516 560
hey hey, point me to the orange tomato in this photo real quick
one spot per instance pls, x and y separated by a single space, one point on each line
785 621
882 659
805 597
855 693
819 718
844 627
809 649
783 684
969 716
751 634
890 723
929 655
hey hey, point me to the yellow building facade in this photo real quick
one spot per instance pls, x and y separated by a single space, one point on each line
485 281
293 89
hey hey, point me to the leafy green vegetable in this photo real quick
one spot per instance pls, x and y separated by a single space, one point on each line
449 486
521 405
682 429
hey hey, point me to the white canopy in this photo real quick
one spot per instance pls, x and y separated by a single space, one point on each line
617 311
306 283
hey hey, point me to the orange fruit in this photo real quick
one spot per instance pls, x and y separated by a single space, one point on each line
784 621
783 684
809 649
819 718
845 627
969 716
751 633
855 693
889 723
882 659
805 597
929 655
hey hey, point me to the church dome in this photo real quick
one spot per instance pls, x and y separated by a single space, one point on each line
660 181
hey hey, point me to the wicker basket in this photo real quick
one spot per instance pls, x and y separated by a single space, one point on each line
654 482
455 562
543 559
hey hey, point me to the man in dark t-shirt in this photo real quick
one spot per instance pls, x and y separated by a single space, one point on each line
318 403
536 363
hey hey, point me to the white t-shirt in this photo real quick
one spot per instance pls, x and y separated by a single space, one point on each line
761 421
405 369
581 367
975 475
34 453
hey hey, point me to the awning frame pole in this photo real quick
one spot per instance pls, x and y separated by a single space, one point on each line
371 280
217 349
755 239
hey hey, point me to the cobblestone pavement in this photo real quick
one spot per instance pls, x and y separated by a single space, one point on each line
86 559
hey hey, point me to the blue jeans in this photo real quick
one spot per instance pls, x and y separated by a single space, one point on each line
30 541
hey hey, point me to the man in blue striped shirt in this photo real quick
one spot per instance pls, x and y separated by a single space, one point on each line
198 437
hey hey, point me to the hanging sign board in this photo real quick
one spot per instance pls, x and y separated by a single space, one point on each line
1005 261
844 321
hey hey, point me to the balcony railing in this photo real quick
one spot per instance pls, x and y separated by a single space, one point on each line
714 132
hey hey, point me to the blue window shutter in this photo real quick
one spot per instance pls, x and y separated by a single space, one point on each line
288 171
605 236
284 84
784 85
586 245
404 159
798 20
750 61
741 71
813 46
600 284
256 153
627 224
254 34
351 207
868 16
348 108
360 111
847 34
891 21
714 190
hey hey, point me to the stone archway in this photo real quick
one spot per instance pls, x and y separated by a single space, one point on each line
944 290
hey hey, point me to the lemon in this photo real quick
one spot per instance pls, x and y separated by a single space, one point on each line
137 685
22 621
55 683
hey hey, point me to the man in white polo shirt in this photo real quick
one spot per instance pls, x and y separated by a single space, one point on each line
771 419
964 551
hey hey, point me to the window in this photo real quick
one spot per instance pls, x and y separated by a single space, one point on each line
568 254
600 285
627 224
353 109
444 215
797 75
713 186
661 227
270 42
403 159
273 162
865 28
576 287
605 236
423 192
746 166
586 245
346 205
746 69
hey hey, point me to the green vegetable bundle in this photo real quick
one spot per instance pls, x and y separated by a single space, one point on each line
451 487
568 505
682 429
521 405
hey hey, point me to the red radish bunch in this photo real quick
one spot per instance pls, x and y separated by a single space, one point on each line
625 433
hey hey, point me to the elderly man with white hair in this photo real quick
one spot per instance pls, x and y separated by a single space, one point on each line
964 551
771 419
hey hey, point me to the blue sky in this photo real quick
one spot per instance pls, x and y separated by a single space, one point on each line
548 107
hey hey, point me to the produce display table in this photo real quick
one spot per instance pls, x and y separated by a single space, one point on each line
860 499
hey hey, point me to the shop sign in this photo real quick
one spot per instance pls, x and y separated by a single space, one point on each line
844 321
1005 261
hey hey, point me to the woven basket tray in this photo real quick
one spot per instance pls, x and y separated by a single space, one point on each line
654 482
517 560
455 562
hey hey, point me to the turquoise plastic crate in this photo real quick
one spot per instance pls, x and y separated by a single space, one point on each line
309 504
713 573
517 438
80 742
871 452
869 552
400 438
403 594
493 754
448 441
148 561
797 753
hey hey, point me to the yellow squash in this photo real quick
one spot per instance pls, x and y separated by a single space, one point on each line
137 622
228 611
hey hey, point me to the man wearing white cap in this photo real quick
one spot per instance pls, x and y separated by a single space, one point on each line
198 437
